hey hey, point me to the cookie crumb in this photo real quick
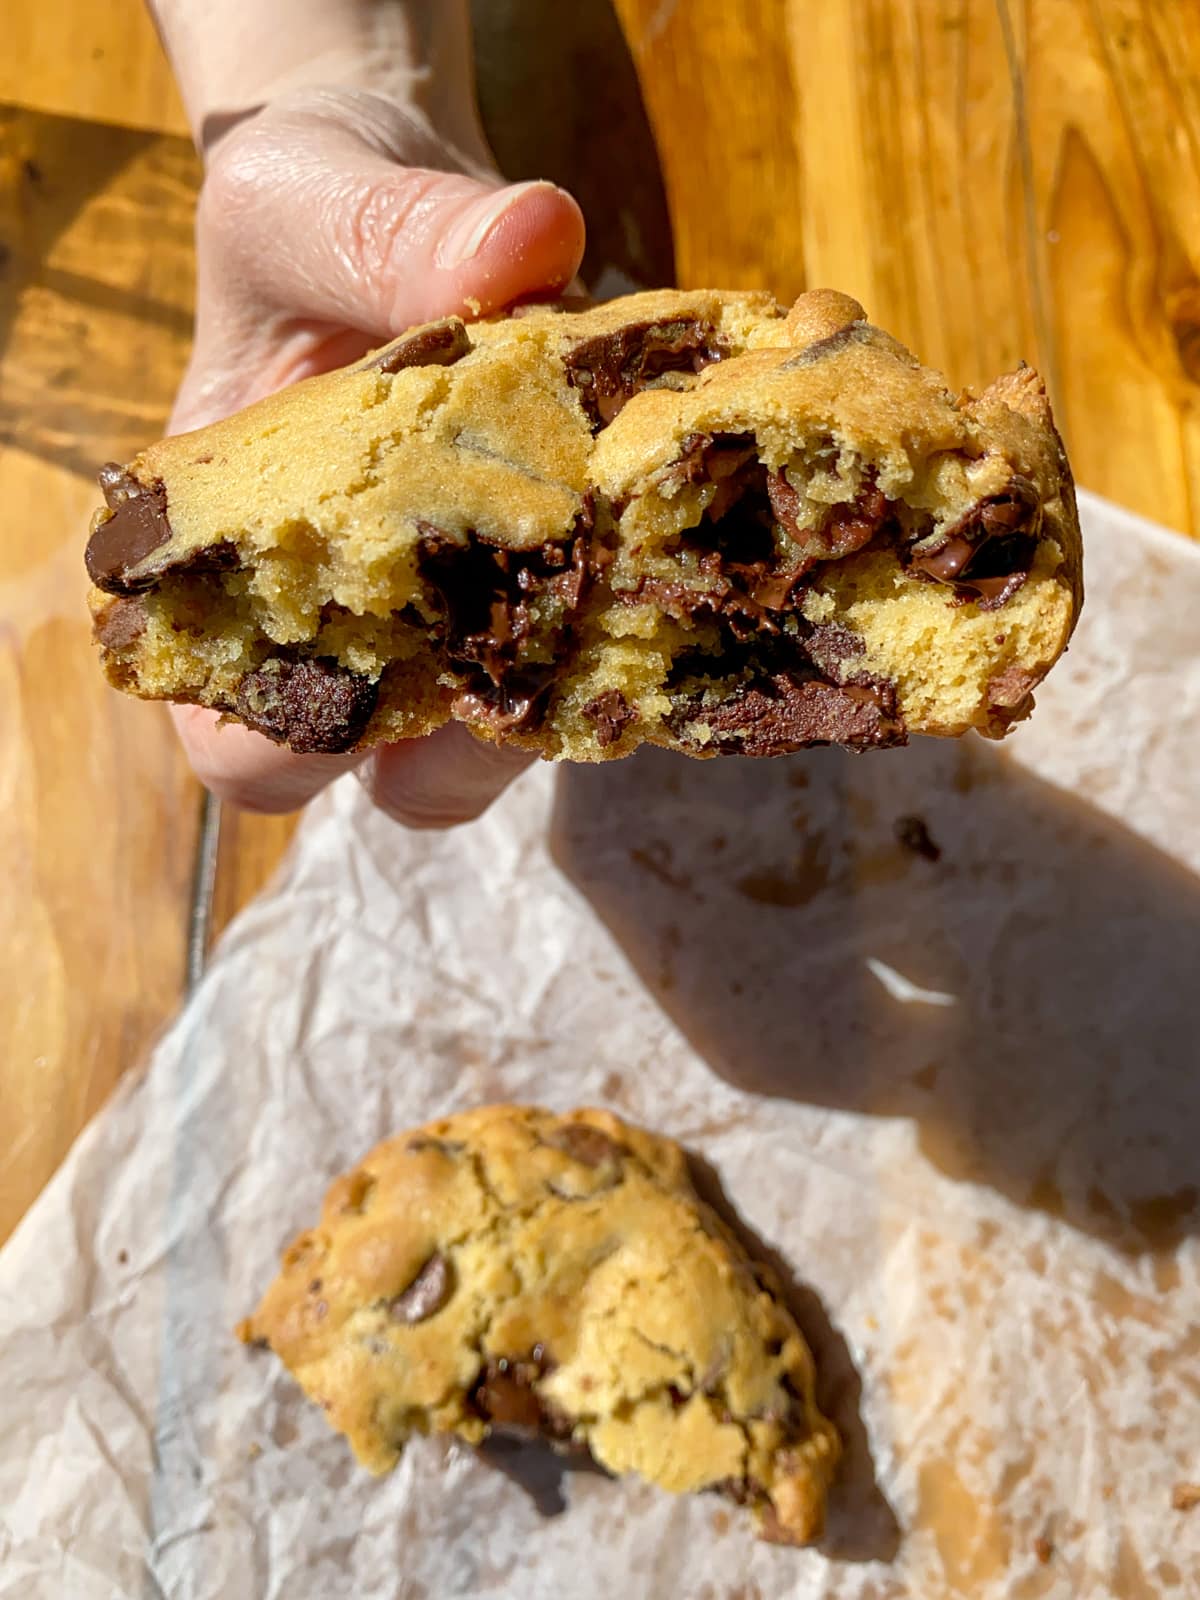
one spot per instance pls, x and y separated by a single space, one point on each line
122 1257
254 1450
913 834
1185 1496
1043 1549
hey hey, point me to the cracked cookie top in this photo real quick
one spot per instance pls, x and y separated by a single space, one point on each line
514 1269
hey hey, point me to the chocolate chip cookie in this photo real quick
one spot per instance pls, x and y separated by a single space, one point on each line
552 1276
688 519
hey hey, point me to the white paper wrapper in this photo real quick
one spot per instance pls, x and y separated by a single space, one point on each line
961 1098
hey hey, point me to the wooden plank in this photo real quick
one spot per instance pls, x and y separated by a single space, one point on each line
720 89
99 810
97 59
992 180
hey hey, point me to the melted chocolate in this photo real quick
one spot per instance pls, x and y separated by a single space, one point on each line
504 1395
744 582
137 528
850 527
517 705
488 595
775 695
987 554
610 368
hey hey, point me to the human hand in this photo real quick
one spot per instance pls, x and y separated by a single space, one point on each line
329 222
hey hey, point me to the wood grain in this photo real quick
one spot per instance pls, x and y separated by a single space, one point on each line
99 811
993 179
96 59
251 849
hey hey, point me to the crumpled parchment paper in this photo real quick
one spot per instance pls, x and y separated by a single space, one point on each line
960 1097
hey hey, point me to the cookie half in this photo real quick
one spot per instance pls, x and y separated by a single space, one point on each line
679 518
509 1269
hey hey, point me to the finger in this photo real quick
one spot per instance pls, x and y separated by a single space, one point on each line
246 770
329 228
439 781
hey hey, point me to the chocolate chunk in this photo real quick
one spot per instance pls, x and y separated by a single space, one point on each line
1012 686
590 1146
426 1294
831 646
610 712
848 528
610 368
1010 695
504 1395
137 528
733 470
789 712
314 706
438 346
845 528
444 1147
706 455
116 484
912 833
744 581
740 562
822 349
120 623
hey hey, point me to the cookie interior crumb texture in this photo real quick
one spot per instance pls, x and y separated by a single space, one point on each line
554 1276
682 518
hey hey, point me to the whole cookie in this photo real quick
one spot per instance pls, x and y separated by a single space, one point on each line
682 518
513 1269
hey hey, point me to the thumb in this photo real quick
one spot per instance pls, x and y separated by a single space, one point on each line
414 245
330 228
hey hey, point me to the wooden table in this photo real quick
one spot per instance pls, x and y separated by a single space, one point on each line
992 180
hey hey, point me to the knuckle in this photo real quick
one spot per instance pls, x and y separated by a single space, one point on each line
428 813
381 219
235 181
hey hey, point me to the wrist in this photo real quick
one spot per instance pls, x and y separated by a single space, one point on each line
232 58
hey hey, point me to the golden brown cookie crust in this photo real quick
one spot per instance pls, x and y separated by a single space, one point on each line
682 518
554 1274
